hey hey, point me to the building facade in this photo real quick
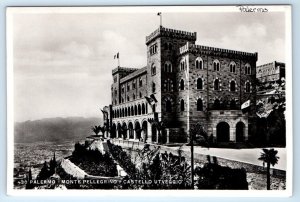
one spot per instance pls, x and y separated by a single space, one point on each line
192 84
270 72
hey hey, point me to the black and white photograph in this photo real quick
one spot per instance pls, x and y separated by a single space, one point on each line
132 98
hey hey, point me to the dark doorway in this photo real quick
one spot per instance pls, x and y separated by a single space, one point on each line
223 132
240 132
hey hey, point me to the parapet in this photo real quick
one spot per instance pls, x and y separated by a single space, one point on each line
126 70
189 47
162 31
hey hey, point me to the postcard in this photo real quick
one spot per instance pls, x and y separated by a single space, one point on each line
191 100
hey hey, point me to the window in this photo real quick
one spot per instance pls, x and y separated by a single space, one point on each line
143 109
133 96
232 67
199 63
233 104
128 98
168 85
217 84
232 86
153 69
122 100
168 46
217 104
133 85
248 87
199 84
168 67
182 105
123 89
128 87
216 64
153 87
153 49
140 82
168 106
247 69
199 105
116 92
182 84
182 65
115 79
141 95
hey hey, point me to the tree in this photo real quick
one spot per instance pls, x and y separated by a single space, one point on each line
98 129
270 157
160 126
199 135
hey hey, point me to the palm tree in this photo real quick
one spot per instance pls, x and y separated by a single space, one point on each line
98 129
270 157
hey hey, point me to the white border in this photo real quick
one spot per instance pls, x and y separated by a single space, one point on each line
154 193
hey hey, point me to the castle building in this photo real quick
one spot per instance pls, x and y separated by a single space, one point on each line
270 72
191 84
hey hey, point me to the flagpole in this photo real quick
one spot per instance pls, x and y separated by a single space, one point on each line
160 16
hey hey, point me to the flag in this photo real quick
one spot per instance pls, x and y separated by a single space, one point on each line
245 104
159 13
116 56
150 100
153 98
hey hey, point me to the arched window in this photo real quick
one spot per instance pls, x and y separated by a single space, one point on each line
153 87
125 112
168 67
199 84
247 69
216 65
139 109
153 69
182 105
182 84
168 106
143 109
128 111
132 111
217 84
128 98
199 63
232 104
135 110
133 96
182 65
232 86
141 95
217 104
199 105
232 67
248 87
168 85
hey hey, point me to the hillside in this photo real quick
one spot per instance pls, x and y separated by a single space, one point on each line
54 129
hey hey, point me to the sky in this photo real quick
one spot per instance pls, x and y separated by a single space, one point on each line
62 61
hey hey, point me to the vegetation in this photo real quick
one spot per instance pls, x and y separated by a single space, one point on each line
98 129
270 157
214 176
93 162
271 123
150 164
200 136
46 170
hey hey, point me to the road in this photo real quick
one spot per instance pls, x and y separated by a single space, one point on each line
242 155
